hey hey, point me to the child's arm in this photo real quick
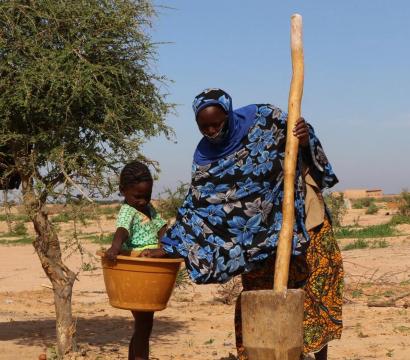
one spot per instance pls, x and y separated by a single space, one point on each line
120 236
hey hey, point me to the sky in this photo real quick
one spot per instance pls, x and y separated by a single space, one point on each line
357 78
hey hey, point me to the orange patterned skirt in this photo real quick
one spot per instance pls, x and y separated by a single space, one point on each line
320 273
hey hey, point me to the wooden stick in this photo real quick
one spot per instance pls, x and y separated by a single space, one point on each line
47 286
292 144
388 303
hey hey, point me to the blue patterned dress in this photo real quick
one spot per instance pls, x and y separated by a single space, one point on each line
232 215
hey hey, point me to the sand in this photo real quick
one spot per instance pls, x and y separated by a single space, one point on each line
197 324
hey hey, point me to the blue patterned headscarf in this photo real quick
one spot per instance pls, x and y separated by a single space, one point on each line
240 121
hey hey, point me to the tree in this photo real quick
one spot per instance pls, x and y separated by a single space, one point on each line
78 97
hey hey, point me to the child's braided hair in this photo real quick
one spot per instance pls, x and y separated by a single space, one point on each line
134 173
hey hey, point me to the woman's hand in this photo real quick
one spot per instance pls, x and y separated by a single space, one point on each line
153 253
301 131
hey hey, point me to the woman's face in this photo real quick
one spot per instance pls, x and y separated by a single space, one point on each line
211 120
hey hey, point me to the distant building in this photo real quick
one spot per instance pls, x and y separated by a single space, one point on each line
362 193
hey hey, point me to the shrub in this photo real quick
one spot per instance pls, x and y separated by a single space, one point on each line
108 210
182 279
362 203
76 213
170 201
337 208
357 244
357 293
381 243
15 217
22 240
63 217
400 219
88 266
19 229
372 209
404 203
229 291
374 231
102 238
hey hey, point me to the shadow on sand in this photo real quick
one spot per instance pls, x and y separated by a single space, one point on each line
96 331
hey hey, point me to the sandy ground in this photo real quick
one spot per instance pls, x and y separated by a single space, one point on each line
197 324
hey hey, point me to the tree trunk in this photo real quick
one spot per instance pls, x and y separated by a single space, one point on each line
62 278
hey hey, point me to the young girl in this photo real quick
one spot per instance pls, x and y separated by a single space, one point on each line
139 227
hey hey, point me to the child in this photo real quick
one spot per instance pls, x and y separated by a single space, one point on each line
139 227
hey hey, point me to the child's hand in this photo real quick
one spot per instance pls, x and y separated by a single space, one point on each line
153 253
112 253
120 236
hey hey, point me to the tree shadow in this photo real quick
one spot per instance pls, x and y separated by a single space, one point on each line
229 357
96 331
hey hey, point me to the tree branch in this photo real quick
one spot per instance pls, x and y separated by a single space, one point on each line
72 182
390 302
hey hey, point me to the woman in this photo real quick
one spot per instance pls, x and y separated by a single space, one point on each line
231 218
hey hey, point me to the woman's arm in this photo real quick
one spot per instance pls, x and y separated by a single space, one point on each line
161 233
156 253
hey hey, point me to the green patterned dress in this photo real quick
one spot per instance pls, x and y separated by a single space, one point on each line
142 230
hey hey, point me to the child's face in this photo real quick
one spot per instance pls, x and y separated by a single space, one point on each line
138 195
